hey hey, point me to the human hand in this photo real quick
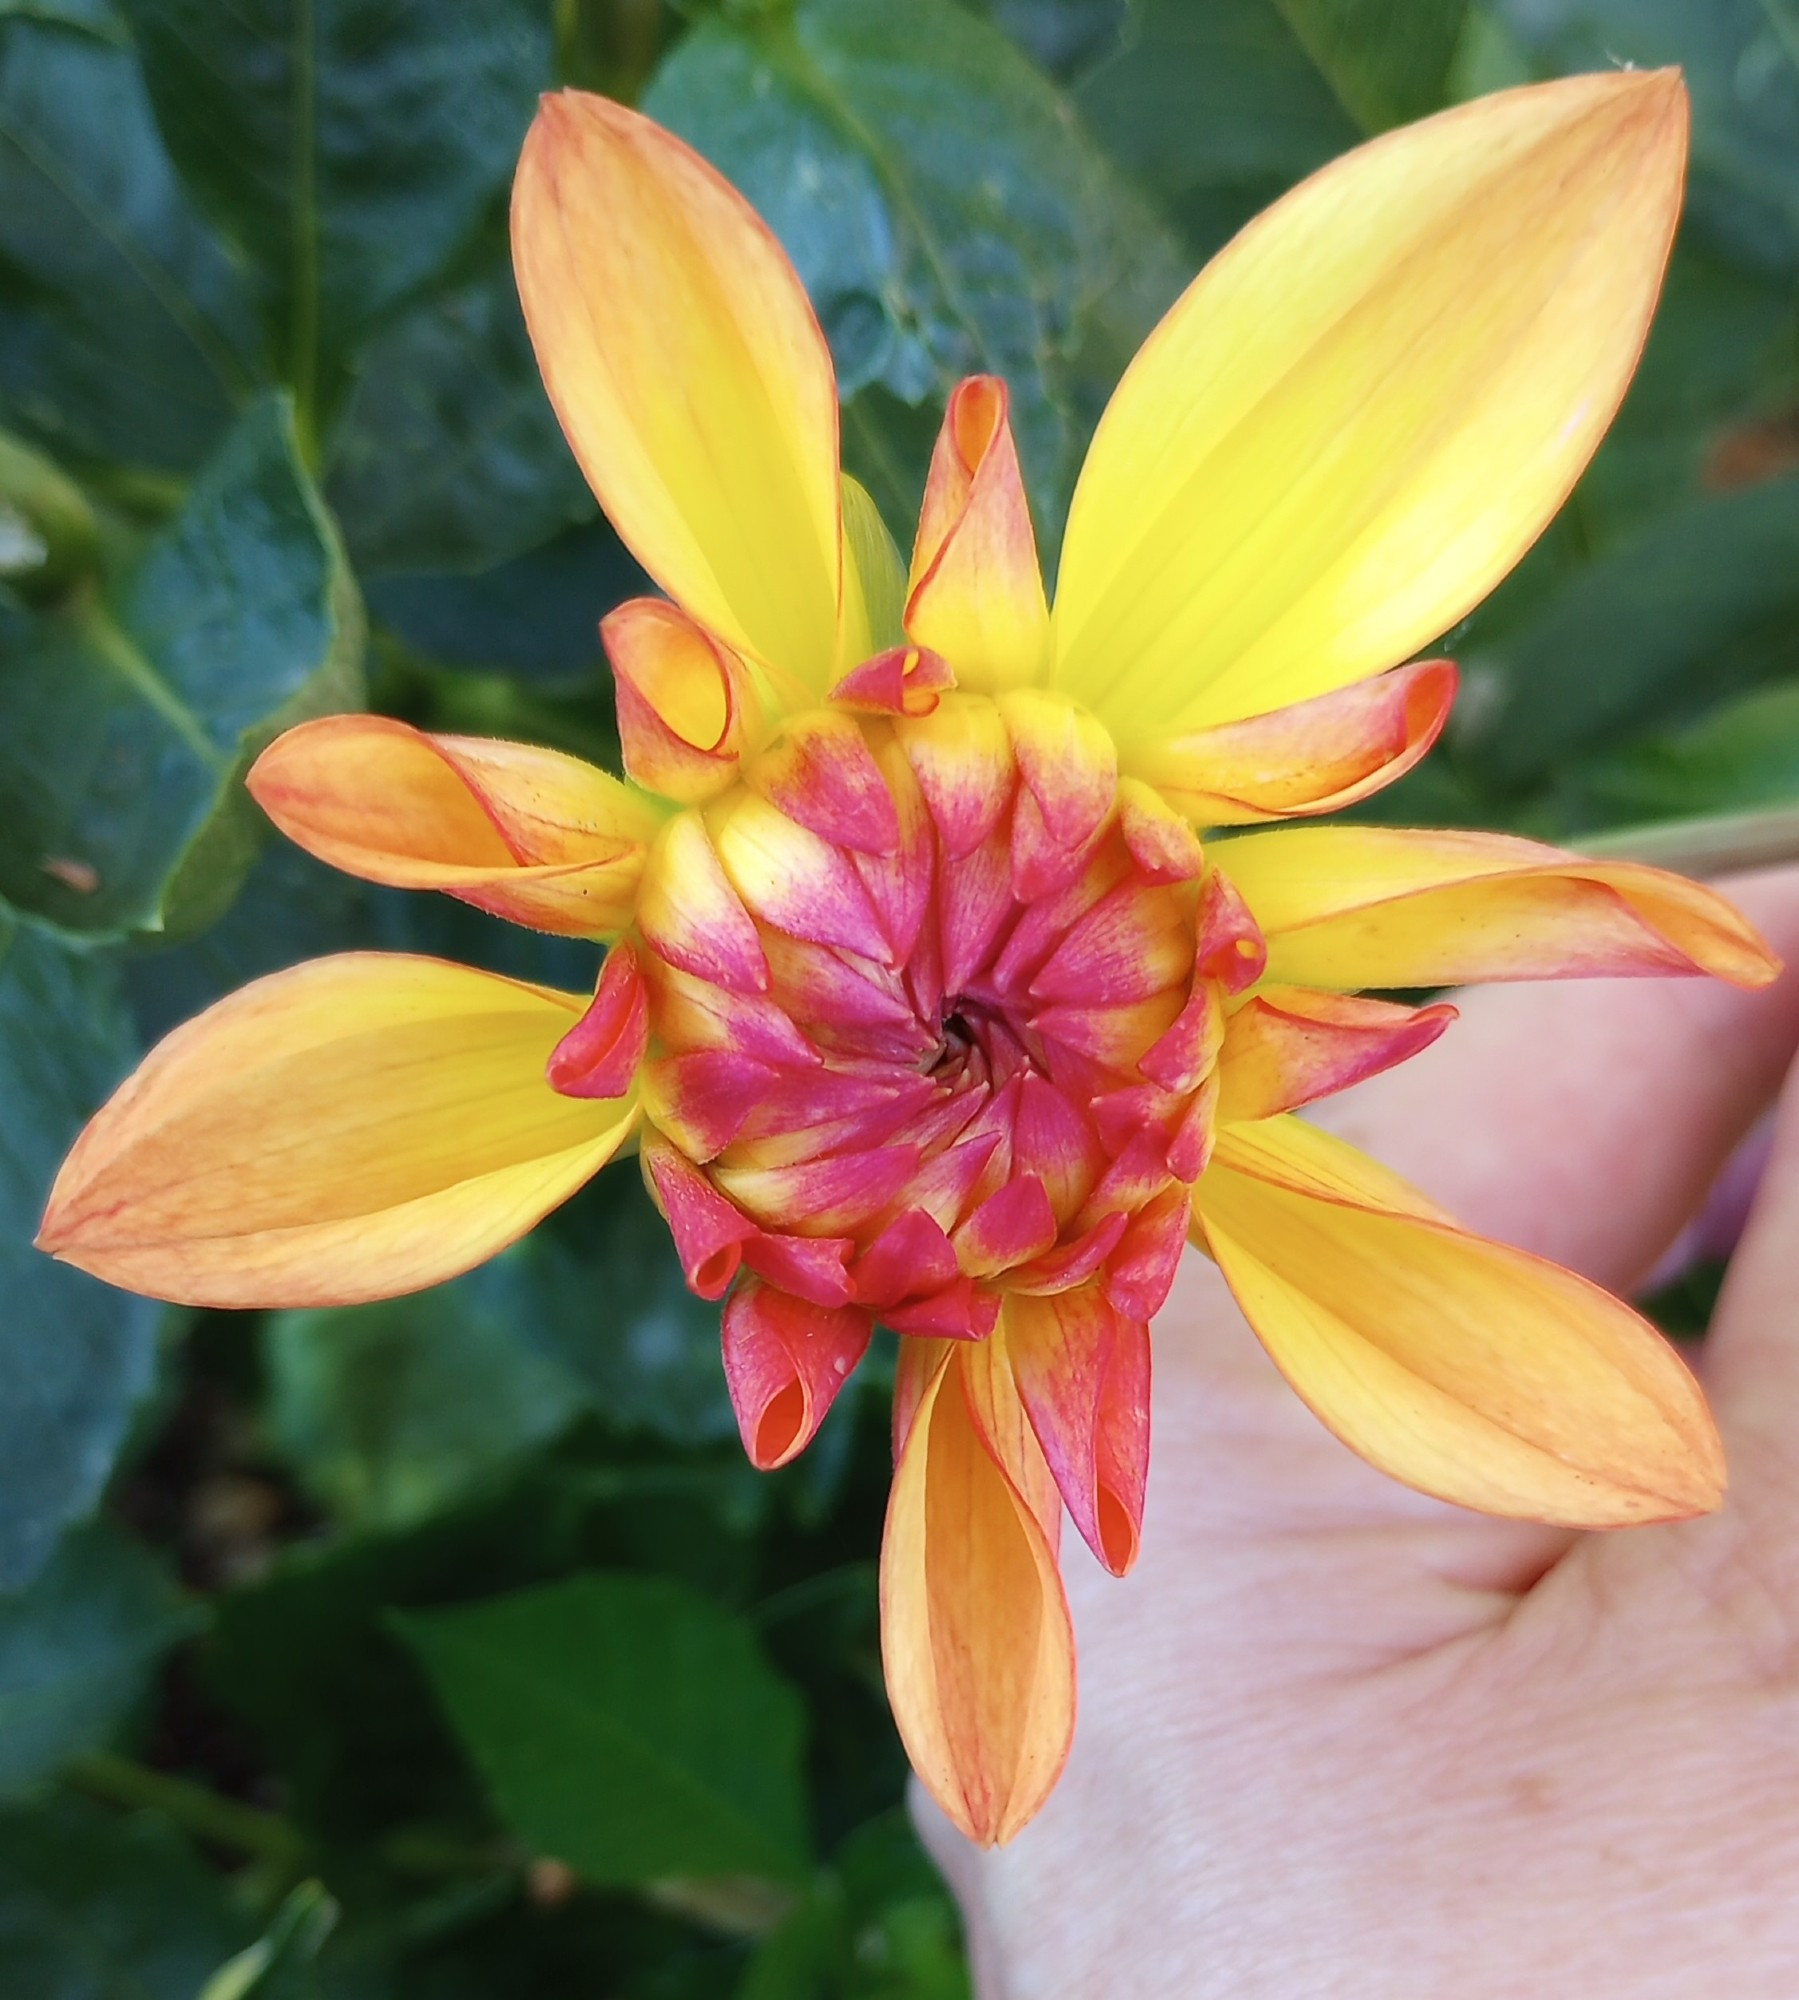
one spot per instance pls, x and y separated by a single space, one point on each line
1336 1738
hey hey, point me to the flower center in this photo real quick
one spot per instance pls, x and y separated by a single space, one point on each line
915 979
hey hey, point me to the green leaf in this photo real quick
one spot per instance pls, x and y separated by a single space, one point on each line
75 1355
946 212
281 1964
1741 60
127 720
534 618
77 1649
1701 602
448 455
389 1412
1221 108
348 147
98 1908
1744 755
125 331
625 1726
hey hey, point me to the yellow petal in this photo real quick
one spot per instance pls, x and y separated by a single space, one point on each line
975 1632
351 1129
1465 1368
682 698
1359 906
1365 409
689 374
528 834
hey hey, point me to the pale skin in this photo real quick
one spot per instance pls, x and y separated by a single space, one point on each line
1336 1739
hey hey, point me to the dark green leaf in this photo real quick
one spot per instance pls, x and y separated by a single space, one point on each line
75 1355
97 1908
448 455
610 1305
1387 60
390 1411
1061 36
1217 109
349 147
625 1726
944 208
1701 602
125 332
126 721
77 1649
1741 59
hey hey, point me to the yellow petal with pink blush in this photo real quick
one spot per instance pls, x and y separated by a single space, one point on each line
682 700
975 1633
1291 1045
1367 407
1316 757
352 1129
531 835
1359 906
976 593
690 376
1465 1368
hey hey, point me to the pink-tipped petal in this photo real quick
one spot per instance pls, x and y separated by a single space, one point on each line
600 1054
1291 1045
785 1362
1317 756
905 680
709 1232
976 594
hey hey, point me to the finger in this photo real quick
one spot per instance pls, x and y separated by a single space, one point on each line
1586 1120
1752 1361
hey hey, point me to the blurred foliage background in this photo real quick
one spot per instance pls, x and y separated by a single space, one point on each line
449 1648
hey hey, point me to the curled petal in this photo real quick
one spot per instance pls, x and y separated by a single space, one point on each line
975 1633
1368 405
1356 906
785 1362
1317 756
976 593
1229 946
1082 1371
709 1232
905 680
689 374
681 700
530 835
351 1129
1465 1368
1290 1045
600 1054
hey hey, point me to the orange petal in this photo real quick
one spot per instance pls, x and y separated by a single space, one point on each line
976 593
786 1362
1315 757
690 376
351 1129
1358 906
1465 1368
1289 1045
681 700
528 834
975 1632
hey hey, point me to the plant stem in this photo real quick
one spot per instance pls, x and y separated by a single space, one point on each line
195 1808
